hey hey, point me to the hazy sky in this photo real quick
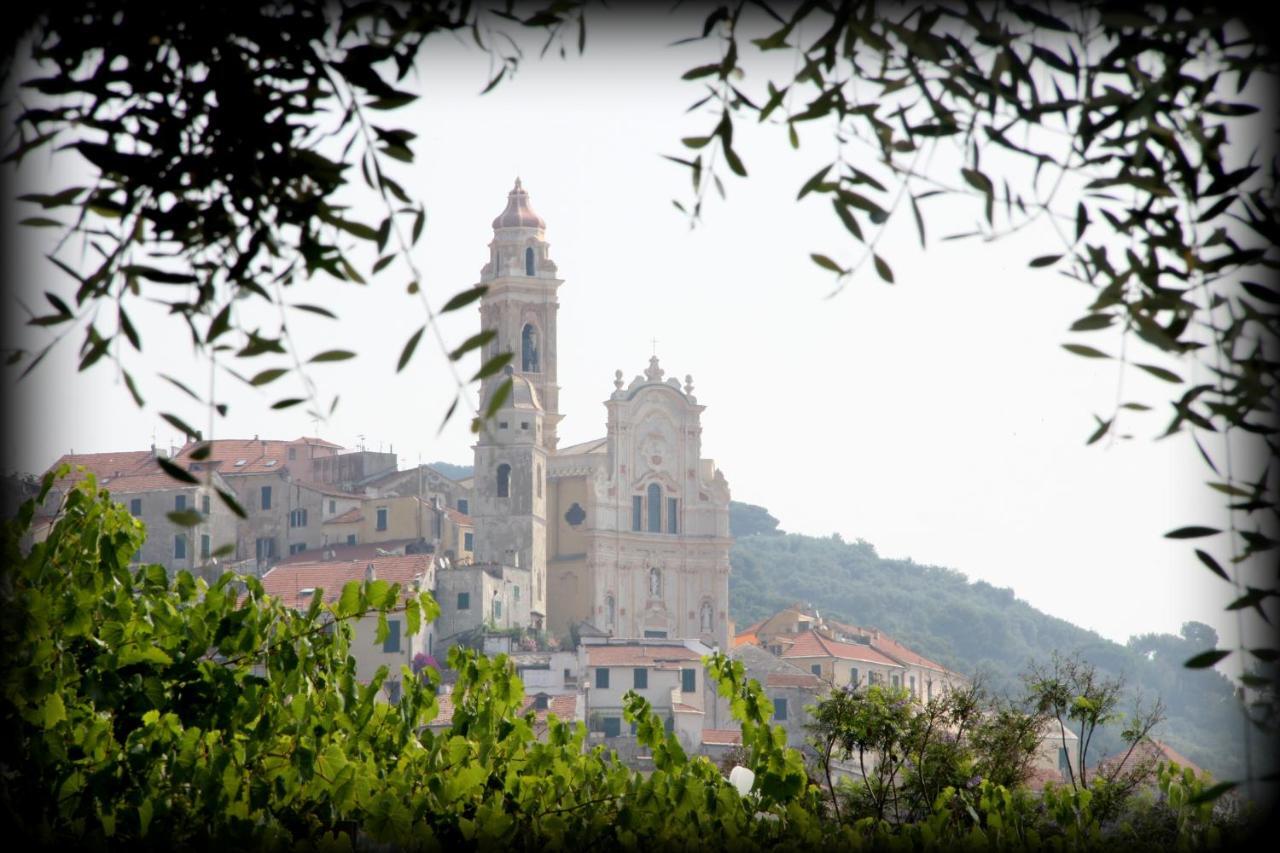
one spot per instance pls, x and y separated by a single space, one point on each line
937 418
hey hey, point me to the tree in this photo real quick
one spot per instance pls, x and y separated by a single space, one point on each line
1113 124
1072 689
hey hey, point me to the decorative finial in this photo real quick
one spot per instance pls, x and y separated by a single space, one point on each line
688 384
518 185
617 380
654 373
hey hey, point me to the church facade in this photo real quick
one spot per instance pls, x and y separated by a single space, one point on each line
627 534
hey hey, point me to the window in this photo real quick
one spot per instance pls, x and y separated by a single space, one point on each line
205 504
297 547
576 515
602 678
463 506
266 548
913 686
610 612
333 507
612 726
640 678
688 680
293 453
502 424
637 507
504 480
540 702
298 518
853 676
928 689
392 642
515 592
266 497
437 522
897 681
468 541
497 608
528 262
204 546
382 518
135 507
655 508
779 709
529 349
351 539
179 547
651 634
524 425
673 515
1064 759
180 503
816 669
464 601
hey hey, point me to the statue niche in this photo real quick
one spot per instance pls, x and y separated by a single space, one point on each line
529 356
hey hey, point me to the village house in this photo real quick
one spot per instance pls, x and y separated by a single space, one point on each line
297 584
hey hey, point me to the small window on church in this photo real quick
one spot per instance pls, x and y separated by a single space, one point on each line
655 508
637 509
528 261
673 515
529 349
504 480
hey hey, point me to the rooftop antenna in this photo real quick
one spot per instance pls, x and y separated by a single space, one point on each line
361 437
315 426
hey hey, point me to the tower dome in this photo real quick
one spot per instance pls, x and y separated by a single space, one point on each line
518 213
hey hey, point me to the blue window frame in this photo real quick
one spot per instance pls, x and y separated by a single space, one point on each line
392 642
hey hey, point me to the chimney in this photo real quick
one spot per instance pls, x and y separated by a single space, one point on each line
370 573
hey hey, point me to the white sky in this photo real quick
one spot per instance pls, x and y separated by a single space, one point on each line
937 418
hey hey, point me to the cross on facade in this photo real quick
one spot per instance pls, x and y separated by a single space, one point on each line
654 341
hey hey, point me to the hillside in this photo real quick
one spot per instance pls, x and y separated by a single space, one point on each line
973 626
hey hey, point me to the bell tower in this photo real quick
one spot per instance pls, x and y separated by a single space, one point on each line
520 306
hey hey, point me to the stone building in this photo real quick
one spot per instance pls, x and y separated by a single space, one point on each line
629 532
296 584
135 480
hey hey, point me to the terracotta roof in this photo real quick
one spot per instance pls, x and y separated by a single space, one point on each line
811 644
888 645
286 581
722 737
106 465
1145 756
685 708
257 456
349 517
360 551
658 657
798 679
458 517
316 442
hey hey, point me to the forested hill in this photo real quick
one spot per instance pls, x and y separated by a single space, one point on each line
973 626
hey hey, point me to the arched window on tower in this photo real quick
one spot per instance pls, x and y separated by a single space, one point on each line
529 349
610 612
655 508
504 480
528 261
